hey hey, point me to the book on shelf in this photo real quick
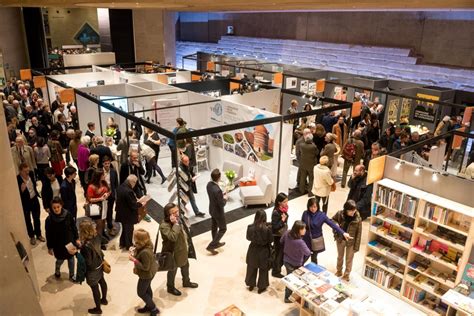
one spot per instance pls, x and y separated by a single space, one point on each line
414 294
409 205
447 217
379 276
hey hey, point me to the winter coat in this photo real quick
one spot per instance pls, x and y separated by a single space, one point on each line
146 266
308 155
60 231
175 240
258 253
93 256
278 226
329 150
354 229
322 181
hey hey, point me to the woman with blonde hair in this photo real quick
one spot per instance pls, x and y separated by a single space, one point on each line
93 166
146 268
93 257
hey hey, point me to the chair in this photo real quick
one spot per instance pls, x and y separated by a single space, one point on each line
257 194
201 158
237 167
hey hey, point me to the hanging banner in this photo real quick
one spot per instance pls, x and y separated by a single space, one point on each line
166 117
406 108
39 81
393 107
320 85
25 74
67 95
424 110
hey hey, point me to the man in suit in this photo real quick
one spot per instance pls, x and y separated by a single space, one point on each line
90 130
308 159
127 210
101 150
22 153
61 126
184 166
68 191
29 201
217 201
111 178
133 166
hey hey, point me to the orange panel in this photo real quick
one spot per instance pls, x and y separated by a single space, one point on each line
320 84
25 74
234 85
195 77
67 95
376 169
210 66
278 78
162 79
356 108
39 81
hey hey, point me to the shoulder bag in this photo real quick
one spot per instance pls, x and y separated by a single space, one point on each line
105 264
317 244
165 260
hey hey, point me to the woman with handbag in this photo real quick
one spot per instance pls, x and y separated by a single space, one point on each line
95 264
279 227
314 220
295 250
348 219
175 240
259 253
146 268
98 192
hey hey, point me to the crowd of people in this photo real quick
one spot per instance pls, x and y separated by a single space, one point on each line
48 146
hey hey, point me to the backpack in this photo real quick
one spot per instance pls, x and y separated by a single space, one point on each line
349 150
81 268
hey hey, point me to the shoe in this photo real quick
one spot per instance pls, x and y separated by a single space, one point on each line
32 241
163 180
339 273
95 311
143 310
41 238
104 301
147 218
57 275
343 186
346 277
191 285
212 251
287 300
174 291
260 291
103 247
251 288
154 312
200 214
278 275
148 181
73 279
220 244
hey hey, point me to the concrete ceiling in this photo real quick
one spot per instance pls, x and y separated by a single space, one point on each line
255 5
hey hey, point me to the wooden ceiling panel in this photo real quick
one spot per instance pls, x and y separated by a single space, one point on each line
260 5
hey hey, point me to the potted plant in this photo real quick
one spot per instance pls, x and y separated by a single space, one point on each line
230 175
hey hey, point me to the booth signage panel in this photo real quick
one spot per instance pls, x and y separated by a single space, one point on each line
25 74
39 81
425 111
67 95
376 169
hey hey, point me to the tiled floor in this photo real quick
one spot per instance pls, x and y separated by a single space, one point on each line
220 278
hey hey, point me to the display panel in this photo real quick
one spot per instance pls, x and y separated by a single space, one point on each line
118 102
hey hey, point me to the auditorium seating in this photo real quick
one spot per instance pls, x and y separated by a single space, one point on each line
382 62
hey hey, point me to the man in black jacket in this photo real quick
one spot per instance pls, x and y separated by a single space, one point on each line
133 166
61 126
184 166
30 203
68 191
111 178
359 191
217 201
101 150
127 210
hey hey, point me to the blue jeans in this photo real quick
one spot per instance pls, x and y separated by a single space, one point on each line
70 265
192 200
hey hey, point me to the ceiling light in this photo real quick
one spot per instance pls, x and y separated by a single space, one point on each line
434 177
418 171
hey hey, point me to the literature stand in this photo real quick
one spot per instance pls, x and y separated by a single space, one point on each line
418 244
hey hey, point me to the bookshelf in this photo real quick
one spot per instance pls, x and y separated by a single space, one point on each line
418 244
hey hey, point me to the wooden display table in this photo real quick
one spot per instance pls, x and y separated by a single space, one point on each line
458 304
230 310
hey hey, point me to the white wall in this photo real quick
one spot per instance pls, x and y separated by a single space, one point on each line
268 100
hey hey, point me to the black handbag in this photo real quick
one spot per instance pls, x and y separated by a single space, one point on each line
165 260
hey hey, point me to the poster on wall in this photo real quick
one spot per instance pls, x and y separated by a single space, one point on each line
406 107
291 83
166 117
256 144
425 111
312 88
304 85
393 107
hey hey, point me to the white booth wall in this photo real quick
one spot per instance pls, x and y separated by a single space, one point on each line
268 100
